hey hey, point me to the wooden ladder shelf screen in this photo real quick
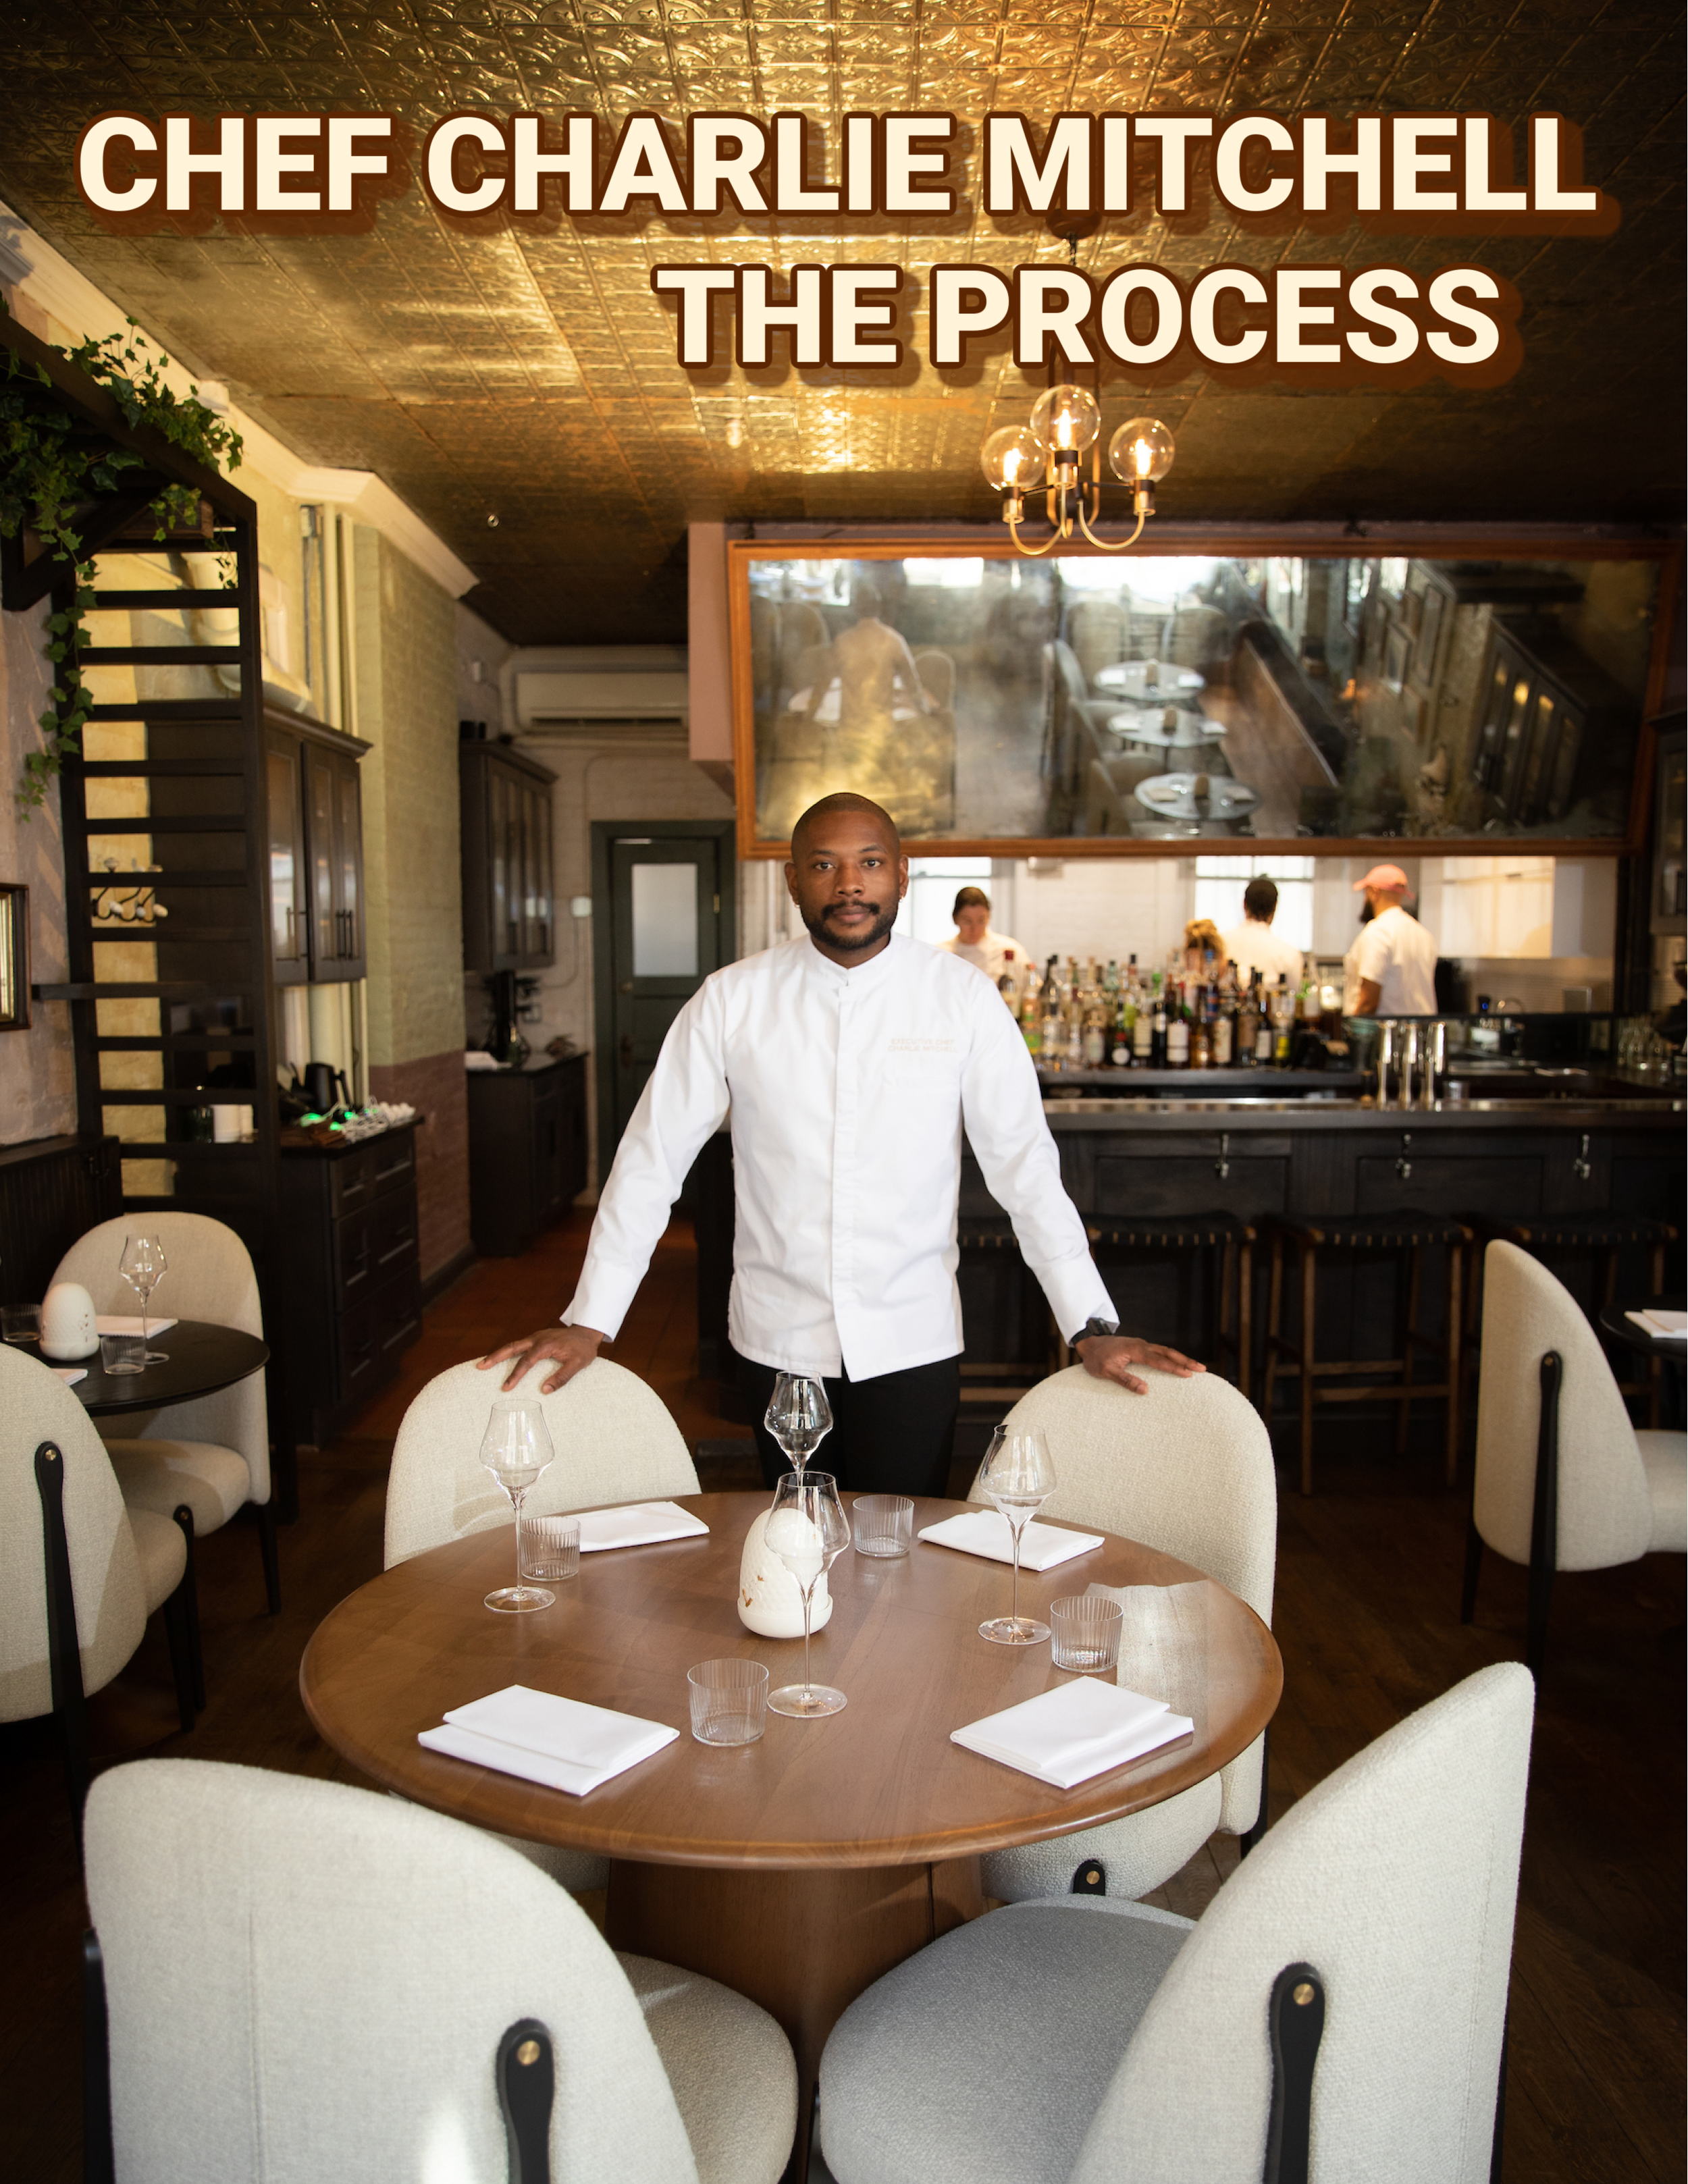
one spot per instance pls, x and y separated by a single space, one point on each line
179 810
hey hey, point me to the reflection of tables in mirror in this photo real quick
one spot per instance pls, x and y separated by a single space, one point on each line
1164 728
1172 796
1147 680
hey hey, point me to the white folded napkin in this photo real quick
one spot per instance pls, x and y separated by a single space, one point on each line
1078 1731
1671 1325
69 1374
113 1322
985 1532
562 1743
637 1525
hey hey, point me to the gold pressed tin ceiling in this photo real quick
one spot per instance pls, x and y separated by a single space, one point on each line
532 375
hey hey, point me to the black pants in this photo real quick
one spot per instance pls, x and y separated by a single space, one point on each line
892 1434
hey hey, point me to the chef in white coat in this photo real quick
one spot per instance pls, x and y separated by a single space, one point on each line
849 1062
1391 971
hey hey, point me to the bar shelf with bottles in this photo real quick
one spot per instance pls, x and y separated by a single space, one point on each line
1198 1022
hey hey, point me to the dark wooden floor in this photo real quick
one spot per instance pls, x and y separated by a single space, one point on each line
1367 1615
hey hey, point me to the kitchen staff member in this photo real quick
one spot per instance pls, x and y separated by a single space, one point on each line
1391 971
1253 945
977 944
849 1061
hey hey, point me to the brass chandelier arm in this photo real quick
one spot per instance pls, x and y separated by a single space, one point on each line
1032 553
1102 543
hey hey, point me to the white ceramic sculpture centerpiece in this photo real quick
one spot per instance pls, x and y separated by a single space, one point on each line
67 1327
770 1602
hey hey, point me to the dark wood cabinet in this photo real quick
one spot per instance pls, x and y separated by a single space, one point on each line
350 1290
526 1151
289 915
508 910
316 852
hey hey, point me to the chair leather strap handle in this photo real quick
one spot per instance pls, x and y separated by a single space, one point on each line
527 2074
1296 2019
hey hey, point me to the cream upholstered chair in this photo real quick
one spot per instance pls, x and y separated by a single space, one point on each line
1367 1941
211 1456
614 1438
79 1572
1186 1469
615 1441
1565 1481
305 1980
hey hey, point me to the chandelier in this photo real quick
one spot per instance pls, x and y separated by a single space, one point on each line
1066 423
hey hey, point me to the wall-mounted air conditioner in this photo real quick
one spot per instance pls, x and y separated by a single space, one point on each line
563 690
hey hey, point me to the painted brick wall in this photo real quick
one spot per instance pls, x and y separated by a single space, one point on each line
406 682
406 686
434 1086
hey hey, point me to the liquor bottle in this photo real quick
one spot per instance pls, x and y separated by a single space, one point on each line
1283 1018
1224 1029
1263 1036
1200 1044
1031 1027
1110 976
1248 1024
1158 1022
1096 1038
1178 1033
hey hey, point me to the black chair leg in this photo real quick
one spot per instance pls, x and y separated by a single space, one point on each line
267 1548
1473 1567
1250 1837
177 1629
183 1517
1497 2149
1544 1534
98 2166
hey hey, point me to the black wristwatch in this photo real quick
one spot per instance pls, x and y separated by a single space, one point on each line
1093 1326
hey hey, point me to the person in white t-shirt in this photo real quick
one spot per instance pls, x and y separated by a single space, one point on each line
975 943
1253 945
1391 971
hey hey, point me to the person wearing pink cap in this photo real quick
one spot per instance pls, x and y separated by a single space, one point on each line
1391 971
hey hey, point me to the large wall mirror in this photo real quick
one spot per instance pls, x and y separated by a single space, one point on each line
1314 701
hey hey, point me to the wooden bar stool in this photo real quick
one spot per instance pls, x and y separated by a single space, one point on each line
1228 1236
1407 1231
1600 1235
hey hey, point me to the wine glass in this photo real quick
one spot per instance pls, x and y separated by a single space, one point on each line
1019 1477
807 1530
516 1448
799 1417
142 1265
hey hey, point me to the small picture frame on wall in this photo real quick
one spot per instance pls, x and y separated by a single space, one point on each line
1397 650
15 958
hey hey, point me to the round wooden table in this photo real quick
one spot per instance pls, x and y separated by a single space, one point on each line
800 1869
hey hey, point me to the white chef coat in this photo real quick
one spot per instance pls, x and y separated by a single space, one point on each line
1253 946
988 954
1395 952
848 1091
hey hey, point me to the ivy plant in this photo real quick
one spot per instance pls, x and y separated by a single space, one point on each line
52 472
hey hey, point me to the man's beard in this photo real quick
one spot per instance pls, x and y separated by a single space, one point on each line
851 942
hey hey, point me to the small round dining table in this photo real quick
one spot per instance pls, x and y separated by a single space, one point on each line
1129 678
1148 727
1172 796
800 1869
199 1358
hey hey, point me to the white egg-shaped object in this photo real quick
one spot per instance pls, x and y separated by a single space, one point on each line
769 1600
67 1327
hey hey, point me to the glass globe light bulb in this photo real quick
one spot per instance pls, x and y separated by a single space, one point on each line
1012 460
1142 448
1066 417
